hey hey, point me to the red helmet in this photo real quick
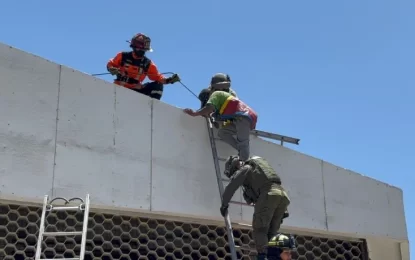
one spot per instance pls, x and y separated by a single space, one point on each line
141 41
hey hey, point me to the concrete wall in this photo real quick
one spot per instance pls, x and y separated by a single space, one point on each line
65 133
380 248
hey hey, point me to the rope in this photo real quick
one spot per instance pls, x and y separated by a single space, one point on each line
164 73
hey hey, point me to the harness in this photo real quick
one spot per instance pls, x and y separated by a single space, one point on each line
133 66
258 164
233 108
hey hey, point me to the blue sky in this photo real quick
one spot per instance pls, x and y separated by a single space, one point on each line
337 74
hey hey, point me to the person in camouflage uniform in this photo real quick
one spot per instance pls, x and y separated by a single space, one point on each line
262 187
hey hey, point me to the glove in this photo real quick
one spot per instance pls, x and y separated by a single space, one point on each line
173 79
247 199
223 210
286 215
227 122
249 195
114 71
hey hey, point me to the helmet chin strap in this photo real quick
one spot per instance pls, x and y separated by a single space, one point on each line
139 53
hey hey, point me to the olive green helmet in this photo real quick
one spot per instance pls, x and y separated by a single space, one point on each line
231 165
220 81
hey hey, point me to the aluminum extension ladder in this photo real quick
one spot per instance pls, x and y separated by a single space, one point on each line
231 239
47 206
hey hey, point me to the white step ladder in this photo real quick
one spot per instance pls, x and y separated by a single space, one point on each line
47 206
231 240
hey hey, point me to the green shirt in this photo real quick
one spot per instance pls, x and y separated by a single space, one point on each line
217 99
233 93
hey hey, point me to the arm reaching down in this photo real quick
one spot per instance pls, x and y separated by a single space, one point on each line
204 111
234 184
214 104
114 64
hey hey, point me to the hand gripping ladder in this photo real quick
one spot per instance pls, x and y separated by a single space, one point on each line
231 240
47 206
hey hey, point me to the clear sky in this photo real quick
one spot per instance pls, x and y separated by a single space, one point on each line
337 74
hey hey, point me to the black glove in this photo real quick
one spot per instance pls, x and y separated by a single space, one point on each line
114 71
223 210
173 79
249 195
247 199
286 215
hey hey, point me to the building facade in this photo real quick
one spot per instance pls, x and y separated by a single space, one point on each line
149 170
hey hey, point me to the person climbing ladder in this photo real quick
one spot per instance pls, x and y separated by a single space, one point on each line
243 119
261 186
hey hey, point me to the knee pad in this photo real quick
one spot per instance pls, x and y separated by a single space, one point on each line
156 90
157 86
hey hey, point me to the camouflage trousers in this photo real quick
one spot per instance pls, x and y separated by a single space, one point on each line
268 214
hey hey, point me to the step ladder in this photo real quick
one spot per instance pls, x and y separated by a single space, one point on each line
48 207
231 240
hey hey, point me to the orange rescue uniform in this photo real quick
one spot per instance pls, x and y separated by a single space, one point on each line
134 70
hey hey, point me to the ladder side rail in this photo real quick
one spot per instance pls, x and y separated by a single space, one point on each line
84 228
277 137
215 159
41 229
231 239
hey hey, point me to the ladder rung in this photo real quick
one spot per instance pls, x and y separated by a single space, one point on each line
76 258
55 234
65 208
240 203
